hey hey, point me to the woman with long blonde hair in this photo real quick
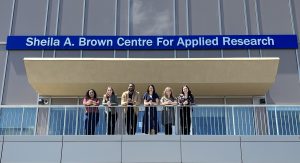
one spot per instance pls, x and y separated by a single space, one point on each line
168 101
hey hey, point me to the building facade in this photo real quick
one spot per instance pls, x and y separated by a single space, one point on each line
59 122
141 17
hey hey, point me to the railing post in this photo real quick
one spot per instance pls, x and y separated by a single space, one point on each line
106 114
76 121
64 126
298 133
191 115
22 119
268 121
257 121
48 120
177 132
226 120
196 124
276 120
233 121
261 120
36 119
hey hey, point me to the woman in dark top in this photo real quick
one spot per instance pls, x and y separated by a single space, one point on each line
168 113
110 100
91 103
185 99
151 100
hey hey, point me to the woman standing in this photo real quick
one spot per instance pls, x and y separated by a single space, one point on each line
151 100
168 113
185 99
91 103
110 100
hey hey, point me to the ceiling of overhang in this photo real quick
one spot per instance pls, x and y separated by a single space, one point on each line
205 76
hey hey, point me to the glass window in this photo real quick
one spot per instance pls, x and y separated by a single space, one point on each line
140 122
80 120
17 121
244 121
100 20
56 122
63 121
70 122
2 65
101 128
240 120
208 121
29 121
5 17
288 120
200 12
29 20
152 17
70 23
272 121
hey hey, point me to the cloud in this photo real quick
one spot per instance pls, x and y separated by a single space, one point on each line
148 19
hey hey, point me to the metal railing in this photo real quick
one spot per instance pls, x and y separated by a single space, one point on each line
176 120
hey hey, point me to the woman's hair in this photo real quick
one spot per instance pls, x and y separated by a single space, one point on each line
165 94
151 85
112 90
87 94
189 91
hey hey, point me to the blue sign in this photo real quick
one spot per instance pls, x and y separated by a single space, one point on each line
190 42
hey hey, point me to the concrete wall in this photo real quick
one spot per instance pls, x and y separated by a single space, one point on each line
122 17
160 148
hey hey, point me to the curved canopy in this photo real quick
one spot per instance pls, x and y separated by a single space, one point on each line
205 76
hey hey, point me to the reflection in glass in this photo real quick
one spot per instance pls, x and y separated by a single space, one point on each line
56 122
17 121
151 17
208 121
244 121
288 120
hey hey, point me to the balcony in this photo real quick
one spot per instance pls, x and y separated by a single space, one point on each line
233 133
205 120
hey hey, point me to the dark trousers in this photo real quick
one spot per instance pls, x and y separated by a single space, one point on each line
185 120
91 121
168 129
150 121
111 122
131 121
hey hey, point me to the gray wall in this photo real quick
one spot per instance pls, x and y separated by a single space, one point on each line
147 17
159 148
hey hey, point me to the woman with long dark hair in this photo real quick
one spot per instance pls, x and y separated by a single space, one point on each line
91 103
185 99
110 100
151 100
